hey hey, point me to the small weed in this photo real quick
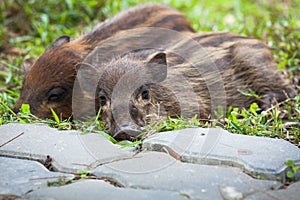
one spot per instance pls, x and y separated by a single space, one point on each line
62 180
169 124
94 125
126 144
271 123
291 174
83 173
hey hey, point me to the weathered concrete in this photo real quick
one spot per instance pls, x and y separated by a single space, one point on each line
93 189
260 156
290 193
21 176
159 171
70 150
209 164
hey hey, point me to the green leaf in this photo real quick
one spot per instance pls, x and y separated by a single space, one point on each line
83 172
98 115
254 108
113 140
234 114
244 92
282 64
7 108
83 175
289 163
236 127
125 144
56 118
290 174
69 4
25 108
296 168
195 121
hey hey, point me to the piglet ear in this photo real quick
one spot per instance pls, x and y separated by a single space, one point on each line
157 67
158 58
87 77
61 40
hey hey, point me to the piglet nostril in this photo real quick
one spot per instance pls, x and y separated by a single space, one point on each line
124 125
127 131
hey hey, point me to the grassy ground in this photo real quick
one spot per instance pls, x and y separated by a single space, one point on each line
28 27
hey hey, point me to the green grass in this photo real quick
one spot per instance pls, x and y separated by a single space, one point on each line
27 28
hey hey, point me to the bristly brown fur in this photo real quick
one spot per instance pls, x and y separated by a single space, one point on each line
147 15
55 68
243 63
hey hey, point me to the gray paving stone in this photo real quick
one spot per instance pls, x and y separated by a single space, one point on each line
257 155
159 171
70 150
94 189
291 193
21 176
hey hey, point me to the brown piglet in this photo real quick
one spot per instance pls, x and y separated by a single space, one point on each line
49 82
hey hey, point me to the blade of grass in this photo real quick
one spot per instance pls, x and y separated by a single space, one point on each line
56 118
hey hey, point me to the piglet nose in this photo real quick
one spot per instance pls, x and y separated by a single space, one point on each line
127 131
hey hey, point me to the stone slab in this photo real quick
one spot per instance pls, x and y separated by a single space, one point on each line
159 171
70 150
260 156
95 189
21 176
290 193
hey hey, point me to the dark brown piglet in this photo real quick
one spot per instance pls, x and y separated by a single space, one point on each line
141 84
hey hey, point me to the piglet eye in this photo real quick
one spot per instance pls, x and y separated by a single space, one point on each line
145 94
56 94
54 97
102 97
102 100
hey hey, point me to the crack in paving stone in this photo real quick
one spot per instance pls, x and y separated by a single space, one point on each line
9 197
77 176
96 189
291 192
267 193
55 166
151 172
195 180
70 150
261 157
170 152
109 180
10 140
9 154
38 174
32 157
22 176
97 164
